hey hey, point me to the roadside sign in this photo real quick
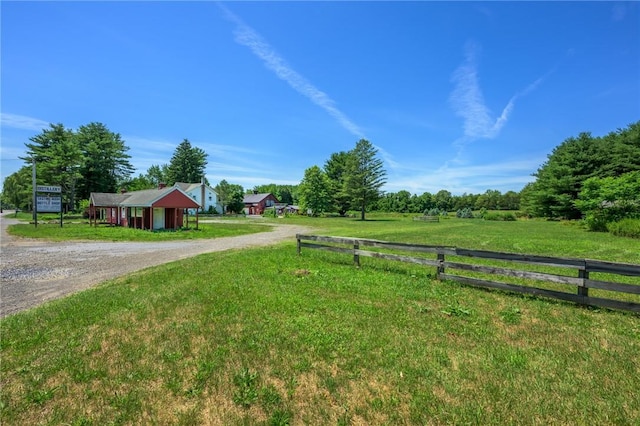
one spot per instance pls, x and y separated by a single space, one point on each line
52 204
49 188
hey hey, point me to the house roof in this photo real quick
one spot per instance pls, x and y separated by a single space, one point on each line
255 198
188 187
106 199
144 198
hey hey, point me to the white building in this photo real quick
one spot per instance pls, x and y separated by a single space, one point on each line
203 194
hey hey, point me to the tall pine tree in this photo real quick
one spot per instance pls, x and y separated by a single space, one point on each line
106 162
187 164
365 176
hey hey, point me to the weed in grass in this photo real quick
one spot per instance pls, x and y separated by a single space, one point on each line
280 418
511 316
456 311
270 398
40 396
246 387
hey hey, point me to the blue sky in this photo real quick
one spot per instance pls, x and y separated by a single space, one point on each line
463 96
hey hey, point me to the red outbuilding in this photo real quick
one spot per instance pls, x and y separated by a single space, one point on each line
161 208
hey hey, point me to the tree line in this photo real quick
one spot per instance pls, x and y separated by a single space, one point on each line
596 178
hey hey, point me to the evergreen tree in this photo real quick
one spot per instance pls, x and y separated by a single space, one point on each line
106 162
187 164
58 160
365 176
559 180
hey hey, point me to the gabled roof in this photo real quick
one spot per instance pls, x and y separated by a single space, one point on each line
255 198
144 198
106 199
188 187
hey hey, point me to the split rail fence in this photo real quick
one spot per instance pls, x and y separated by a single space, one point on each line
587 274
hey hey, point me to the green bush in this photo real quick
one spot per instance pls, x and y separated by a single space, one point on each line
465 213
625 228
596 223
505 217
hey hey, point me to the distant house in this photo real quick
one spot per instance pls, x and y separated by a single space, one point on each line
161 208
282 209
203 194
256 203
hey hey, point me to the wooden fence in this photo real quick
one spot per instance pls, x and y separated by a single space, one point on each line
583 269
427 218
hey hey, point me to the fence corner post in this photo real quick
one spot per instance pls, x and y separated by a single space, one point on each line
356 256
298 244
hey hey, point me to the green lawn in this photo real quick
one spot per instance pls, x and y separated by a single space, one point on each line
83 231
264 336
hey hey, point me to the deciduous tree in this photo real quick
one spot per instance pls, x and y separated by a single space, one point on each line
336 168
314 191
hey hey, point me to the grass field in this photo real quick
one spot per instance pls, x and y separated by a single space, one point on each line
83 231
264 336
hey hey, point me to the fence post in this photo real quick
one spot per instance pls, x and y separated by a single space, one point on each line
356 257
440 265
583 290
298 243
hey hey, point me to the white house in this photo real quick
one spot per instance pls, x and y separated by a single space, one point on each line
203 194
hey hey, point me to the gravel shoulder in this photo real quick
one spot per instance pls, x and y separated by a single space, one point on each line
34 271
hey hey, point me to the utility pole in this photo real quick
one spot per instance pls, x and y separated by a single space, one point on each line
35 199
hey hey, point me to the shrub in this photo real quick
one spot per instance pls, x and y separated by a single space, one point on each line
465 213
435 212
505 217
625 228
596 223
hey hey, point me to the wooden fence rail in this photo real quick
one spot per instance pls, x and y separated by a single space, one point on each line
582 268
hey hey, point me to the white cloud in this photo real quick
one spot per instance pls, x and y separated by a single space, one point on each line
509 175
468 102
23 122
248 37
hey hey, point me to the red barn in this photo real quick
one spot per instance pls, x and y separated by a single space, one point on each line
256 203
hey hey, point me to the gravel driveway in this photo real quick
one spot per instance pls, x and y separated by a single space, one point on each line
33 271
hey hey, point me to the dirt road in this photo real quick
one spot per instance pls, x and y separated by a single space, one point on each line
34 271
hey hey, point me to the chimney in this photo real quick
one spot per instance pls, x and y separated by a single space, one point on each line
162 185
123 190
202 193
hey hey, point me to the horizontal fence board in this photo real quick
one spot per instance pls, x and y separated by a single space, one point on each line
612 304
408 247
388 256
327 248
341 240
516 288
523 258
560 279
607 285
614 268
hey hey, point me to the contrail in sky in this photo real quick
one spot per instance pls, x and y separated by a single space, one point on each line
247 36
468 102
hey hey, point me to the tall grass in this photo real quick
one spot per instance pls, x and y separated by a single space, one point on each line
264 336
